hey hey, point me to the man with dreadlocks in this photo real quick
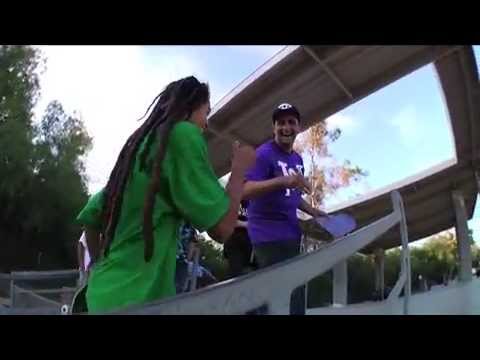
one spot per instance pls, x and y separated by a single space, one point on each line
162 178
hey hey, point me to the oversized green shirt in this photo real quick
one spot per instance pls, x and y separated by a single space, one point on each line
189 191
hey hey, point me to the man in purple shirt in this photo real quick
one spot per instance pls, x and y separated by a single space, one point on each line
274 187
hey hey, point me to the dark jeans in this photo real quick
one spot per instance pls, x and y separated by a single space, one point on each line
270 253
238 251
181 275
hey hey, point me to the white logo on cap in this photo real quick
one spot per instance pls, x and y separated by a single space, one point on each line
284 106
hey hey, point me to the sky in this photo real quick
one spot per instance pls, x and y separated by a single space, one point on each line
398 119
111 87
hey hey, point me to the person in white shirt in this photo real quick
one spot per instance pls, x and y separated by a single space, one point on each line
84 260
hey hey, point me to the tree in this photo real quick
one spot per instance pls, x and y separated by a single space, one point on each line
211 257
18 94
442 257
325 176
42 182
435 261
19 91
319 290
470 237
60 185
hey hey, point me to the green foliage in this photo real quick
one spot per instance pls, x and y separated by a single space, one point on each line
319 290
212 258
326 177
19 90
435 262
42 182
43 186
361 279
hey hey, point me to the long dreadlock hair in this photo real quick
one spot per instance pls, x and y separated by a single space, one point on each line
177 102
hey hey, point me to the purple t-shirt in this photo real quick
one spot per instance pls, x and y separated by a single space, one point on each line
273 216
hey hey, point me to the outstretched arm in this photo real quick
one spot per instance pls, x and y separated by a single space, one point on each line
253 189
306 207
242 159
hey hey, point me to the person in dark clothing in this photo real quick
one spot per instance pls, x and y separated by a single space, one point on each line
238 249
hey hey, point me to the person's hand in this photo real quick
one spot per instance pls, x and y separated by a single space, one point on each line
241 223
297 181
243 157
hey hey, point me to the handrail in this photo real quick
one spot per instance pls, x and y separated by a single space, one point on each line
240 295
42 275
397 289
19 277
405 279
23 294
61 290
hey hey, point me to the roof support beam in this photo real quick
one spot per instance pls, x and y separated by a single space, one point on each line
463 241
379 258
329 71
473 100
225 134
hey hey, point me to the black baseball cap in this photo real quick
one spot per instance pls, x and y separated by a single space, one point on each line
285 108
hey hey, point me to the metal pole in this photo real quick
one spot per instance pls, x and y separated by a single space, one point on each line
380 272
405 266
463 241
12 292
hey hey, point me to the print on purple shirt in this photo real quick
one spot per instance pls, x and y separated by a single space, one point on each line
273 216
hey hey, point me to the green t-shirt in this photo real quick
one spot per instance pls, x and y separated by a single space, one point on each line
90 215
189 191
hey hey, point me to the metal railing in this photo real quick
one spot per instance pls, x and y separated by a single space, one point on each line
404 281
30 299
40 289
273 286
